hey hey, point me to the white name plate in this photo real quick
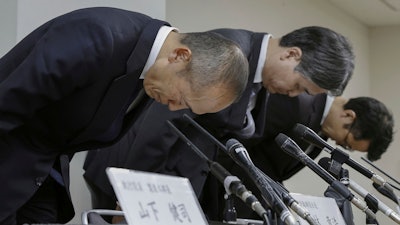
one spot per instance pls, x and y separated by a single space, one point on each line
323 210
154 199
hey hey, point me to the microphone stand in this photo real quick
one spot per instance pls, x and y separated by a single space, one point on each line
240 155
231 183
292 203
372 202
373 205
344 205
346 209
290 147
289 200
343 176
389 194
230 215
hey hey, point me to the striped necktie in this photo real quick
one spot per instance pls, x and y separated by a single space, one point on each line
250 126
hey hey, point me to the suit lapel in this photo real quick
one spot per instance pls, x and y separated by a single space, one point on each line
238 112
318 108
315 120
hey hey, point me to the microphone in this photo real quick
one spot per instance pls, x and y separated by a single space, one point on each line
282 192
386 193
344 204
311 137
232 184
325 163
288 199
291 148
239 154
383 172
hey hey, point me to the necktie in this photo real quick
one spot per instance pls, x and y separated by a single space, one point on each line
57 176
250 127
115 127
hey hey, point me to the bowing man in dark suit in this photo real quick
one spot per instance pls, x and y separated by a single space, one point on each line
280 65
362 124
76 83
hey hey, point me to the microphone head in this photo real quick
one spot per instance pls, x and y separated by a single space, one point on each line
232 143
238 153
308 135
286 144
300 130
290 147
281 139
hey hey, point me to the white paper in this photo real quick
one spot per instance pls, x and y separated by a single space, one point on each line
323 210
153 199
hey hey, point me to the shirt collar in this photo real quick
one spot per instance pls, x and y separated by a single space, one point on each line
155 49
328 104
261 59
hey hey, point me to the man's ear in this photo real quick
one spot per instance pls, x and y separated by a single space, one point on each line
350 115
180 54
293 53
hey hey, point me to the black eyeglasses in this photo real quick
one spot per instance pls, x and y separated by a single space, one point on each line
345 143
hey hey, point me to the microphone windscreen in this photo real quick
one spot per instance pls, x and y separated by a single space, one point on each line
300 130
280 139
230 143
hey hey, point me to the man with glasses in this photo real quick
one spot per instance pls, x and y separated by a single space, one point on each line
360 124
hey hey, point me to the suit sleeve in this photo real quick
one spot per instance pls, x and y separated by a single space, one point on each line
50 63
147 146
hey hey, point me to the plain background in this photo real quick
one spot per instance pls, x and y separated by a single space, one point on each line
375 75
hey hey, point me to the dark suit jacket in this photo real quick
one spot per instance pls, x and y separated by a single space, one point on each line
284 112
152 146
62 87
282 115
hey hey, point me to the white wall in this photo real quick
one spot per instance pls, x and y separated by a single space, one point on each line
33 13
385 80
8 25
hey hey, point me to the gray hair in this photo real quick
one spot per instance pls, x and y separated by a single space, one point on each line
216 61
327 57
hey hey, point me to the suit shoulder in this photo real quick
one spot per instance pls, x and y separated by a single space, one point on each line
105 16
236 33
244 38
